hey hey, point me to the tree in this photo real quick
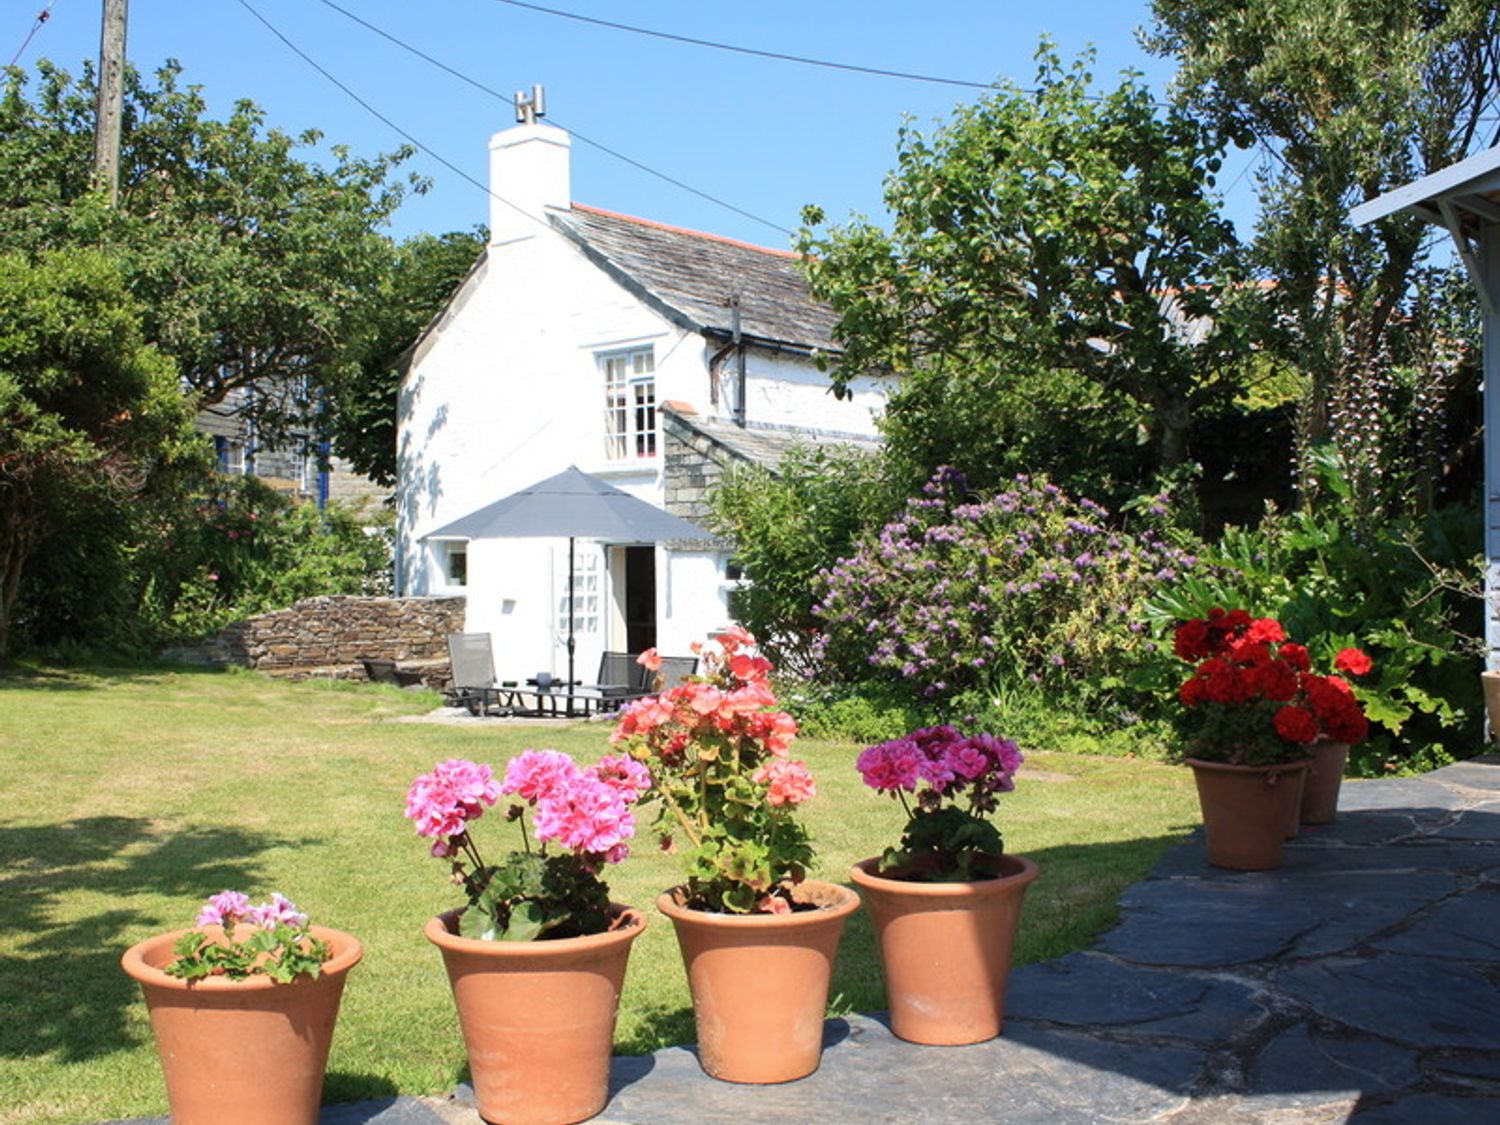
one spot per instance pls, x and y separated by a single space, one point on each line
1349 101
89 413
252 265
1056 231
423 275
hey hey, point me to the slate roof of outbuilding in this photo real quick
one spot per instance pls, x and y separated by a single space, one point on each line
689 277
768 445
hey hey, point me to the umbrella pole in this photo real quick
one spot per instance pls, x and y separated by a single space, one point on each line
571 589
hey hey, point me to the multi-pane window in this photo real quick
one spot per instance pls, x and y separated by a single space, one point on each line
585 603
629 404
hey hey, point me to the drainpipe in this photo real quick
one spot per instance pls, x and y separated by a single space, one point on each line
739 362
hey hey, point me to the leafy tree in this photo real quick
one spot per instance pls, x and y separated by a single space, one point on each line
90 415
1060 231
253 265
423 275
1349 101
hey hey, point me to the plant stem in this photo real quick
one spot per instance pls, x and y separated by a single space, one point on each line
687 825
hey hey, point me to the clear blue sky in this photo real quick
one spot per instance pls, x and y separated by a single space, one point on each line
767 136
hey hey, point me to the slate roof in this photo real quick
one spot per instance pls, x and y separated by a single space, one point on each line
766 444
689 276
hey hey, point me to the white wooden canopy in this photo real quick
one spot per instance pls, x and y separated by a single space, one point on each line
1464 198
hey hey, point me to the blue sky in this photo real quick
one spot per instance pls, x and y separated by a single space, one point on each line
766 136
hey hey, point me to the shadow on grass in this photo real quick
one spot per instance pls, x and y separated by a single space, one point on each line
61 981
93 677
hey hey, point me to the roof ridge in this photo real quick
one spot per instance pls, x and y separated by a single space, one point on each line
686 230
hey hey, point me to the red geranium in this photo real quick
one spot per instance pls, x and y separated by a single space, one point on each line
1253 698
1353 661
1296 724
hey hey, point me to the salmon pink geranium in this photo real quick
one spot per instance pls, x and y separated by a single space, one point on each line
1253 698
532 894
717 749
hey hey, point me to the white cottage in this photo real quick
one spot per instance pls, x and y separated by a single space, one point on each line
645 354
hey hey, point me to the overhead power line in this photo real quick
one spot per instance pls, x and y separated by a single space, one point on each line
492 92
41 17
805 60
368 108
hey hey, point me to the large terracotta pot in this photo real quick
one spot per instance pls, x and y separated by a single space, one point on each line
946 949
252 1050
760 981
1320 792
538 1017
1292 824
1246 811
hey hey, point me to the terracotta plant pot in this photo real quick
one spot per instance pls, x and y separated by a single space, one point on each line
760 982
1246 810
538 1017
1320 792
1490 682
946 949
1293 809
251 1049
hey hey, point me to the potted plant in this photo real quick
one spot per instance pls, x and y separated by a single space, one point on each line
946 902
757 936
243 1007
1253 710
537 957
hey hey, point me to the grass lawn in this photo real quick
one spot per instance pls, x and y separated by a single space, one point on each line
127 799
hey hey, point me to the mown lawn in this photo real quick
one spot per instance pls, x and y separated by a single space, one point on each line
126 799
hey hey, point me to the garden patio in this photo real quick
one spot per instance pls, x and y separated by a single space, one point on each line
1219 996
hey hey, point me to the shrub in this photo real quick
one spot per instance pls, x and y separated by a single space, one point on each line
788 525
1028 586
244 549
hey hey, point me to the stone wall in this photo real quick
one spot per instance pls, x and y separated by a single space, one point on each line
328 636
693 463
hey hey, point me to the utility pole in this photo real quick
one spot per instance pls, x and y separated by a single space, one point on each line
111 104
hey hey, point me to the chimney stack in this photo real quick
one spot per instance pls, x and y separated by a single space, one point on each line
529 172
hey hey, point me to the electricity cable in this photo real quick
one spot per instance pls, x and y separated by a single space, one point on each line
804 60
368 108
41 17
492 92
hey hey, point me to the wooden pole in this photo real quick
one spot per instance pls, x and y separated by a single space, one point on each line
111 104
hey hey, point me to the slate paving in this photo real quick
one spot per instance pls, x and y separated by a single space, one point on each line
1361 982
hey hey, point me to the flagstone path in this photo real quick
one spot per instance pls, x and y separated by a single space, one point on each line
1361 980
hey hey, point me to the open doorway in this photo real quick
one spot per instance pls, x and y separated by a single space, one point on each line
639 601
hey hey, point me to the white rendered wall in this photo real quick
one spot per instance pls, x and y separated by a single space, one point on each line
789 390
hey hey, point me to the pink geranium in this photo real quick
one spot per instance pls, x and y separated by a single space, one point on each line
584 811
957 779
224 909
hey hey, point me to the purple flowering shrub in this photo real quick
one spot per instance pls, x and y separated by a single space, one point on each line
1028 586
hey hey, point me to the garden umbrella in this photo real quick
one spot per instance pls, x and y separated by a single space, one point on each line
575 505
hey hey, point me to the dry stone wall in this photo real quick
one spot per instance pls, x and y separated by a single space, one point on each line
328 636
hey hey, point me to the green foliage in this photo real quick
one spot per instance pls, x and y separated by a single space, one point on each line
956 840
787 525
862 712
424 273
90 416
253 265
1351 101
532 896
243 549
1335 582
281 952
1060 230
